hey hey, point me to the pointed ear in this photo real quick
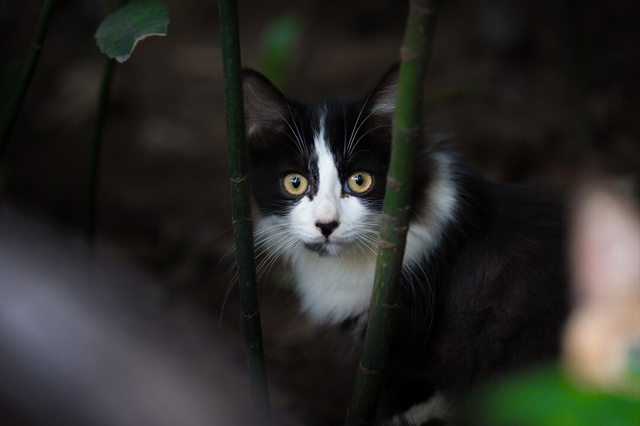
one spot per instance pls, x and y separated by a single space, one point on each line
381 101
265 107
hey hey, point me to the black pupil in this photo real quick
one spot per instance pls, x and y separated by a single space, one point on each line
295 182
359 179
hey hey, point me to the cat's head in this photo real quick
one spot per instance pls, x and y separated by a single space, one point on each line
318 170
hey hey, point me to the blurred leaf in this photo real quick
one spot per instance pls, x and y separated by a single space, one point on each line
9 76
119 33
545 398
279 40
634 362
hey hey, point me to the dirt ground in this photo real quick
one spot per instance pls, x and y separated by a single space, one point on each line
546 90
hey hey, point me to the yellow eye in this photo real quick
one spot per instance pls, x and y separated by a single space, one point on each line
359 182
295 184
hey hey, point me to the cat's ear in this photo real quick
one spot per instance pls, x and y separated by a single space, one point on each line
381 101
265 107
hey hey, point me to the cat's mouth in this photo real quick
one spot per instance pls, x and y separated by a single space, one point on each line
325 249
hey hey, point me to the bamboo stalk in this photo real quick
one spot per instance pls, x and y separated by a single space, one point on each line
414 54
241 209
96 143
27 73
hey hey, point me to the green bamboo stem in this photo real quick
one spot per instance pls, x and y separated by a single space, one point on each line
241 209
96 144
28 69
414 55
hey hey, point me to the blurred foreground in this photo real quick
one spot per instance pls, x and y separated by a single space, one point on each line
79 345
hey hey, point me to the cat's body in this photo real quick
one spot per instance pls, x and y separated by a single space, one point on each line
483 288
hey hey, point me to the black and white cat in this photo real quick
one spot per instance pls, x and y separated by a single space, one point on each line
484 285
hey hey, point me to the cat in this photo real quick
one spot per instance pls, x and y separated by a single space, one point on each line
484 287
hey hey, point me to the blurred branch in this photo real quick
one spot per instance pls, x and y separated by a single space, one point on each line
569 19
96 145
414 54
241 209
25 78
96 149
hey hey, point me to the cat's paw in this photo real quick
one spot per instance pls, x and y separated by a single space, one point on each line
433 412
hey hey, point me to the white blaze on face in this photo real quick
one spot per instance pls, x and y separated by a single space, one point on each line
328 204
327 200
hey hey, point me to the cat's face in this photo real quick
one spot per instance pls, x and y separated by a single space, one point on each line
318 171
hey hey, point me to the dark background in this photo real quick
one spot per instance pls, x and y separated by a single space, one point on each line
544 90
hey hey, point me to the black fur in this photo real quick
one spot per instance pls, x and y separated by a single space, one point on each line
499 294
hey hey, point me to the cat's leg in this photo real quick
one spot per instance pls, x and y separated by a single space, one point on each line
435 408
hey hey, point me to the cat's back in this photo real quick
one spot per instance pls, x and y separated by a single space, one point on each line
505 294
511 241
499 284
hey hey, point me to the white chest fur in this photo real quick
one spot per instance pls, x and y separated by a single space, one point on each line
333 289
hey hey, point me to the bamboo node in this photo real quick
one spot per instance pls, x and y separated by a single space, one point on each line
387 306
385 244
394 183
386 217
36 46
366 371
240 180
406 55
413 132
422 10
249 316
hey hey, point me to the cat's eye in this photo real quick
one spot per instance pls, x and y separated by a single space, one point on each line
295 184
359 183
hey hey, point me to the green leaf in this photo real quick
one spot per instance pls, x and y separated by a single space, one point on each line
544 397
279 40
121 31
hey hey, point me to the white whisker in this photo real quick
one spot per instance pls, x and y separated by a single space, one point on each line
365 134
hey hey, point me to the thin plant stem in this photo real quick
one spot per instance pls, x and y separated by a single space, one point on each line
414 56
96 145
28 69
241 210
568 12
96 150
